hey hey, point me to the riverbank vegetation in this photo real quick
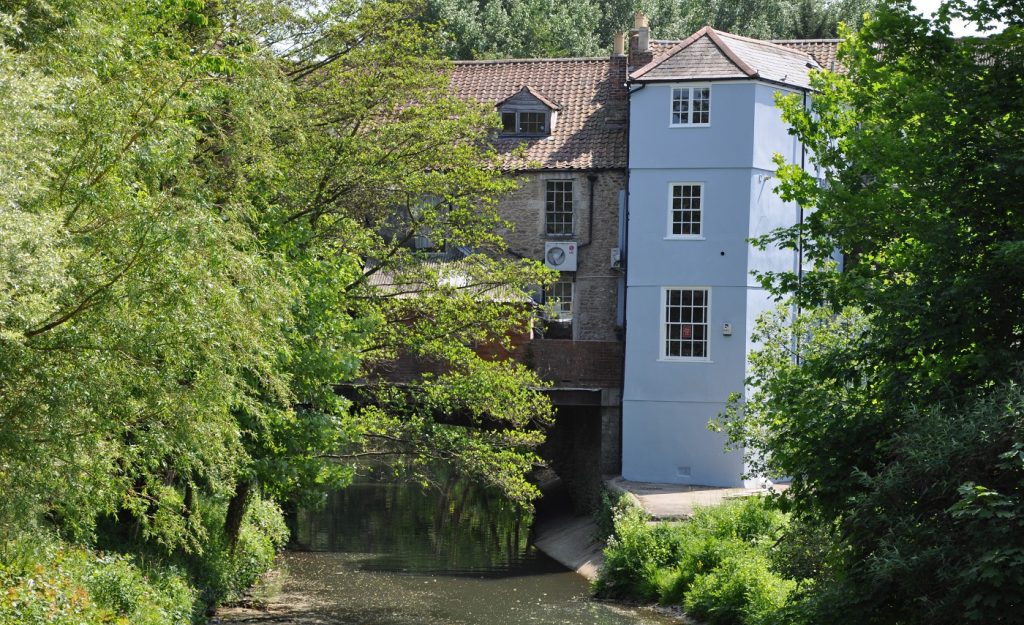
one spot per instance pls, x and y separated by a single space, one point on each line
892 396
206 214
721 566
888 388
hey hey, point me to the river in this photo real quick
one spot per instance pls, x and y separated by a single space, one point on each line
403 554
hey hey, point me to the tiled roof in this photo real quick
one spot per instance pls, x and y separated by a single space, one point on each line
590 132
822 50
709 54
537 95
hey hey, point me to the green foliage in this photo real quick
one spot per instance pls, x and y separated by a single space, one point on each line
633 556
741 589
46 582
480 29
223 573
206 211
717 564
893 397
609 509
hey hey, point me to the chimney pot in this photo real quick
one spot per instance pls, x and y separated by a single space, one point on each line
639 20
619 45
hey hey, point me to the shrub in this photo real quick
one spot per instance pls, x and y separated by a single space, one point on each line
716 563
634 554
223 574
748 519
49 583
699 554
742 590
610 508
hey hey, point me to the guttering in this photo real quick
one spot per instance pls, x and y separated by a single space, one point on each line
766 81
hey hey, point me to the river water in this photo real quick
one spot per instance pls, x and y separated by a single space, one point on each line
403 554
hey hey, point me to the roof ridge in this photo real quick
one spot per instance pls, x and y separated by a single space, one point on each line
835 40
716 39
581 59
767 42
654 62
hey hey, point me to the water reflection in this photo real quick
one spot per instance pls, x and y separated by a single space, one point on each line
401 554
459 528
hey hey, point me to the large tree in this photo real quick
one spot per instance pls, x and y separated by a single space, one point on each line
542 28
195 196
893 399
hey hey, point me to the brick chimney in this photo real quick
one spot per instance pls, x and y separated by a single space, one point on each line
639 42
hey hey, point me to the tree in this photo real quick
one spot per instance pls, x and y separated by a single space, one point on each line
199 195
892 398
538 28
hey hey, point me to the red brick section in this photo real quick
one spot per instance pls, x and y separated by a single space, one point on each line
565 363
576 364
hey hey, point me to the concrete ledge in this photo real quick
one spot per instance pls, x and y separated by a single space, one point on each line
571 542
674 502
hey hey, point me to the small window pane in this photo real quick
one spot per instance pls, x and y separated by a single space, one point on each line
508 122
558 209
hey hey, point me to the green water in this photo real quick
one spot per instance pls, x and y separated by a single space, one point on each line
400 554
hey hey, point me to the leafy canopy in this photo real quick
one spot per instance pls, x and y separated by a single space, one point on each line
892 399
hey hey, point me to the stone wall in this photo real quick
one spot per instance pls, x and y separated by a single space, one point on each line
596 283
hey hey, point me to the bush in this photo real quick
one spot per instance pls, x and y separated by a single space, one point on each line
633 556
740 591
610 508
716 563
698 554
224 574
49 583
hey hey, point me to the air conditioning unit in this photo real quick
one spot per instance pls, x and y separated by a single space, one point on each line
560 255
616 261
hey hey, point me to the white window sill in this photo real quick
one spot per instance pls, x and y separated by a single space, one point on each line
685 238
689 125
671 359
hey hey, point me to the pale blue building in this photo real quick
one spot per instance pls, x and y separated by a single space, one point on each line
703 128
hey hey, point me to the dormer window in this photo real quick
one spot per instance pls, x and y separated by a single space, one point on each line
524 123
527 113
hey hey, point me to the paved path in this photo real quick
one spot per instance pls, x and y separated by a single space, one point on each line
672 502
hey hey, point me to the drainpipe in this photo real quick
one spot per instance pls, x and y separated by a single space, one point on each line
800 239
592 178
624 255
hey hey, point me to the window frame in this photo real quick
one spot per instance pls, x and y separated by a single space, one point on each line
689 110
663 323
669 218
549 298
572 210
519 124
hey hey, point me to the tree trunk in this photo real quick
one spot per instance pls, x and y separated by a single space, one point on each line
236 512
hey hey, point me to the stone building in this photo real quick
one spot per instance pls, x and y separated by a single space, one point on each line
564 133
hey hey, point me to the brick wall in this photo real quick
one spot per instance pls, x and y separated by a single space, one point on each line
565 363
584 364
